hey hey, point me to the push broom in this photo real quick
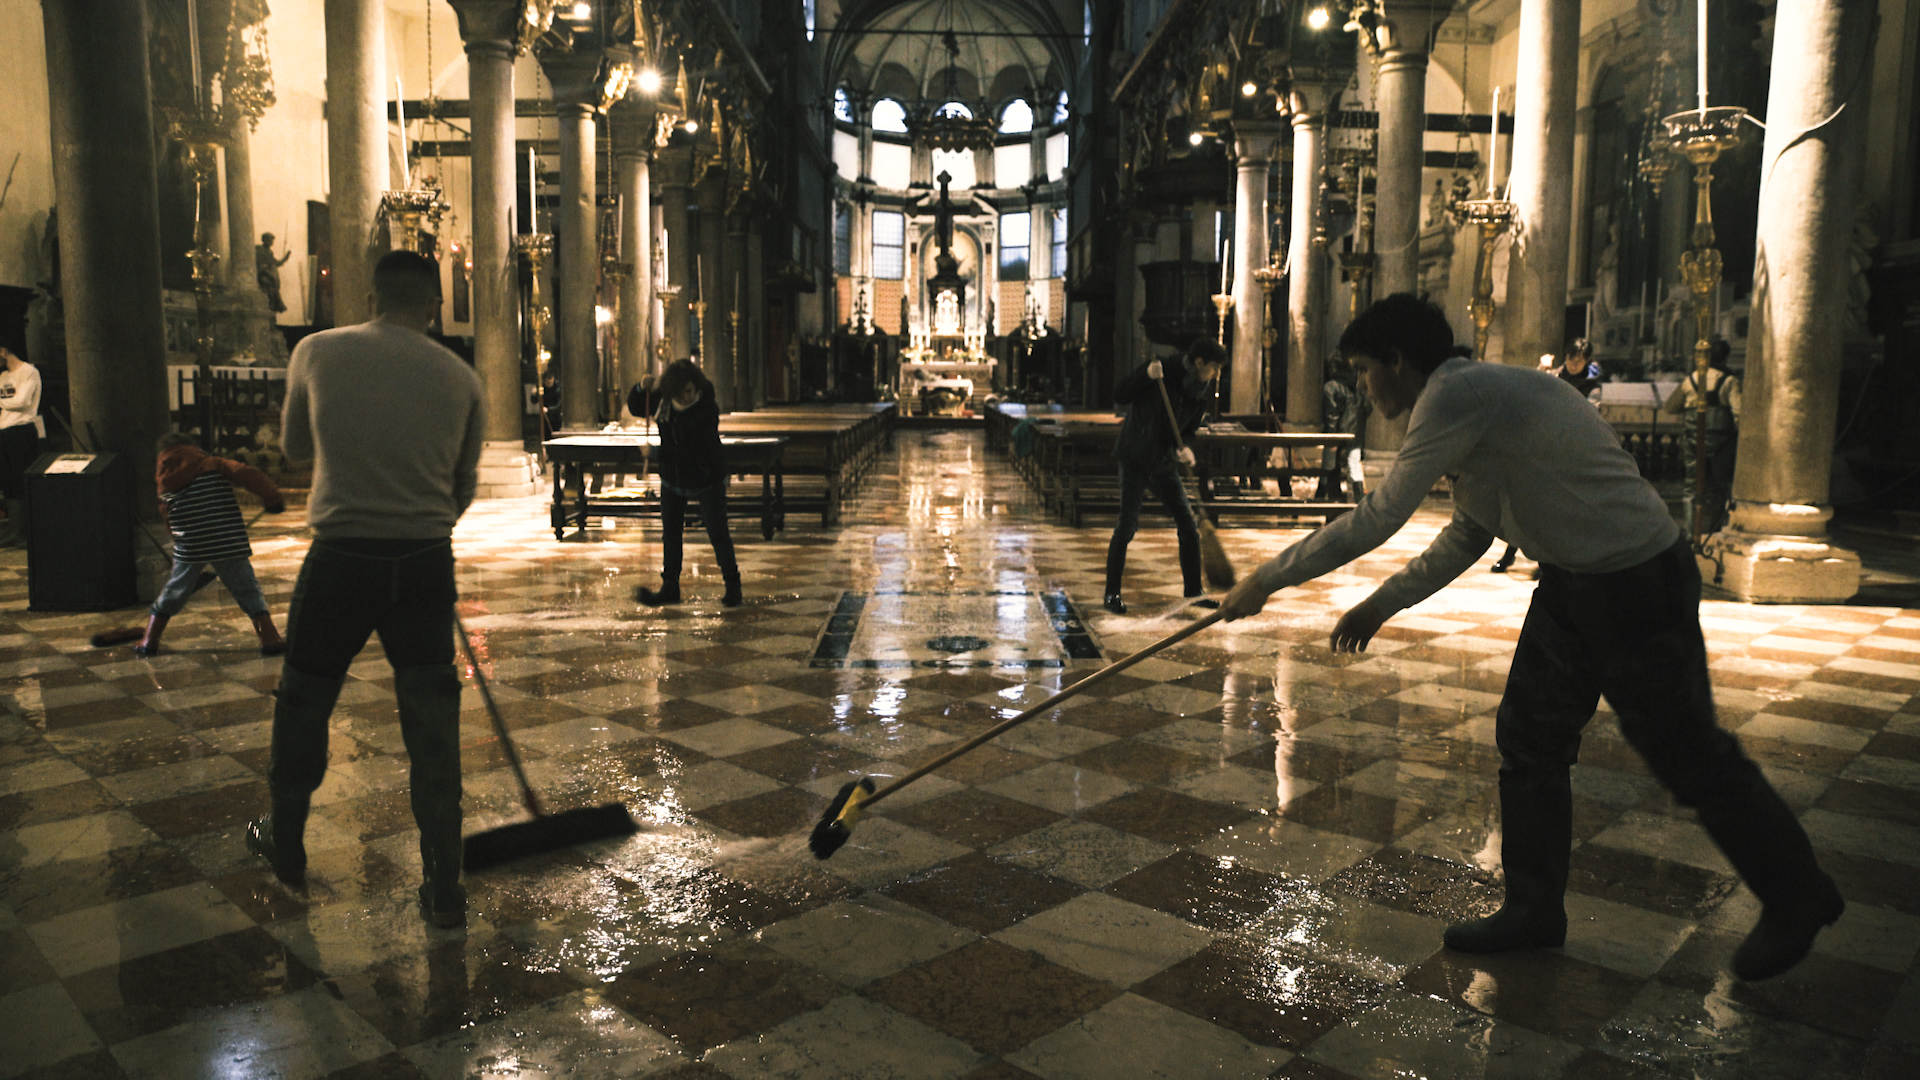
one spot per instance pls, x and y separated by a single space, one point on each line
836 824
1213 557
546 832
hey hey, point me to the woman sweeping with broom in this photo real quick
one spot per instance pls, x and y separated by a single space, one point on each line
1149 446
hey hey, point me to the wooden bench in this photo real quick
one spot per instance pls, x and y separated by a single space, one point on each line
582 463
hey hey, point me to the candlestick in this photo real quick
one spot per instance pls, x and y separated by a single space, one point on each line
1493 148
1700 44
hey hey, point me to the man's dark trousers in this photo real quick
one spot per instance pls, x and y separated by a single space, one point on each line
1166 486
1633 637
349 589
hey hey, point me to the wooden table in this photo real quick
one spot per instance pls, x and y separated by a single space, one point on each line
582 462
1213 448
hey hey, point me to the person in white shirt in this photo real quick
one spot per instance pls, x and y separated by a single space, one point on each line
1616 614
20 433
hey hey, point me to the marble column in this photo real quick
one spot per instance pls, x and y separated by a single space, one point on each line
682 241
1253 146
106 181
632 125
1776 547
1308 280
240 235
490 29
356 149
1535 308
1405 38
714 358
576 239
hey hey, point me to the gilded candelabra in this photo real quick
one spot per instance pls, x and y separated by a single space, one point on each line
1359 267
1493 217
202 132
1222 305
536 248
408 213
1267 276
1703 135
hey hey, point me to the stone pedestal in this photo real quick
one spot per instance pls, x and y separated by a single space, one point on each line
1253 145
507 471
1775 548
356 149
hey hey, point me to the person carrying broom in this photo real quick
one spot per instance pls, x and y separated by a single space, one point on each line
393 424
1616 615
1149 447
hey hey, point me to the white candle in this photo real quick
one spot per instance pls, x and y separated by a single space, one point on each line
1493 155
400 108
533 195
1226 263
193 46
1700 43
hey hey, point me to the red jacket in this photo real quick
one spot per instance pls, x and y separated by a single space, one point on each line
179 466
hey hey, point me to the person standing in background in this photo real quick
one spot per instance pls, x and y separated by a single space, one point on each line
21 430
1343 409
1717 394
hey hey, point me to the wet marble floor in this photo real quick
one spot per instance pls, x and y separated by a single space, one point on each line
1235 860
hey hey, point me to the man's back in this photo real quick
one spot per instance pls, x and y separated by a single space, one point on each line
393 424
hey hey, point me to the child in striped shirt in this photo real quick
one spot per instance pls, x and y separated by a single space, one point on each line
197 503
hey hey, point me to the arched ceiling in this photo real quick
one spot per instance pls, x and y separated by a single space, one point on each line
896 48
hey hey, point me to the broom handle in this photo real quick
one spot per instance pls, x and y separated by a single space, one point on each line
1087 683
1179 444
499 725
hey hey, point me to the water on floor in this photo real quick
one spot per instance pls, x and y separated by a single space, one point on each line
1232 860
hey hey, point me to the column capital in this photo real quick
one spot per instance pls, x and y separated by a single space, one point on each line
490 25
673 165
633 127
1409 27
1307 100
577 76
1254 141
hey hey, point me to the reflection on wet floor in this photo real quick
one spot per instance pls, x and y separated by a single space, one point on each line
1232 860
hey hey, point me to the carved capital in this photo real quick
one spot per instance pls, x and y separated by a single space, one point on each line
490 24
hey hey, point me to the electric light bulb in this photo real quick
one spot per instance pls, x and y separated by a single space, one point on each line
1248 89
1195 138
692 127
1318 18
649 81
582 11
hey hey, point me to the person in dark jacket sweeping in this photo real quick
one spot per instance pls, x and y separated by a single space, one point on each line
1148 450
692 467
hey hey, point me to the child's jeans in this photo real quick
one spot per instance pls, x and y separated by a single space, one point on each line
235 574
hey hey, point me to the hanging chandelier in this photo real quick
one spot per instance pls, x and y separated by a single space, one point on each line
952 126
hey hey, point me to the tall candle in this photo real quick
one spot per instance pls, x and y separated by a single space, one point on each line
1700 43
193 46
1226 263
400 108
1493 156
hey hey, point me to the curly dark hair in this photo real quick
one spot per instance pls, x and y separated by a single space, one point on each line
1404 323
678 375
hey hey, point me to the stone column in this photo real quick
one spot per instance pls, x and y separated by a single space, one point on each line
490 29
1307 283
356 149
713 275
753 319
1776 548
632 123
1253 145
240 235
682 241
106 181
576 238
1405 39
1535 309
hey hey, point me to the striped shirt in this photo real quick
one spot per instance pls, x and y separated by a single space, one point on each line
206 522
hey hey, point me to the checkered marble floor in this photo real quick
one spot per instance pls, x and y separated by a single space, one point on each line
1235 860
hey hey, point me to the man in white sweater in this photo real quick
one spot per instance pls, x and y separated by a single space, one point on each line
1616 614
393 423
21 430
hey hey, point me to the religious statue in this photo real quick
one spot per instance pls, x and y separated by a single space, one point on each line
1437 205
266 272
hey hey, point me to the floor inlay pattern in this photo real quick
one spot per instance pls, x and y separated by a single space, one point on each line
1232 860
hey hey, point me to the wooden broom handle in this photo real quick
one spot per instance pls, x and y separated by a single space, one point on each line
1084 684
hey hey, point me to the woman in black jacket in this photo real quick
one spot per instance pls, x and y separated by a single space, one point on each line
692 466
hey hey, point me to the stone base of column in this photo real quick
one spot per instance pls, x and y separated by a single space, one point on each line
1775 554
507 471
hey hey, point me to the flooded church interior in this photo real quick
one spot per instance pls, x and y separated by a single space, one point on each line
974 539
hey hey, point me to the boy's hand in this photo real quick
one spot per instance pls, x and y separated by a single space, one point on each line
1357 627
1184 456
1243 600
1153 369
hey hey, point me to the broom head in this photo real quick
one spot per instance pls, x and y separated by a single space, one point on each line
836 824
1213 557
108 638
548 832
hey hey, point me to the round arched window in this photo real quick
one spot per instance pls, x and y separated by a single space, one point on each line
954 108
889 115
842 106
1016 118
1060 111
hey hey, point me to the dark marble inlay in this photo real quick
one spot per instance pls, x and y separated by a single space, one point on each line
982 894
1213 893
46 805
457 982
975 818
1142 763
152 993
1539 989
991 996
1263 994
1166 816
706 999
204 811
774 813
1420 885
1628 877
56 888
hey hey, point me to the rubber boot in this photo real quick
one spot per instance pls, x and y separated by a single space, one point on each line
732 597
303 704
1116 569
429 700
150 644
667 593
1536 823
1757 832
280 838
271 643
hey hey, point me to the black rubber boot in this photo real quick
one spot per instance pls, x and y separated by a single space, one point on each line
1536 822
429 700
1757 832
732 597
150 642
280 838
666 594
